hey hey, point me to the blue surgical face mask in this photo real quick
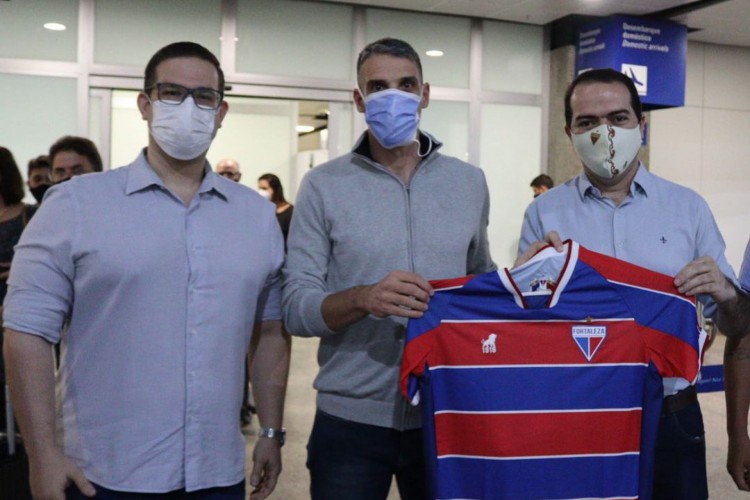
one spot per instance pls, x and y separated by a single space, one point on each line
393 117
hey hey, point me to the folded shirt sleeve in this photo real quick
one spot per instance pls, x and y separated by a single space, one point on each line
40 286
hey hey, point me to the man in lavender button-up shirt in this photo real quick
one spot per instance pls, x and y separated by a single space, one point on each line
161 298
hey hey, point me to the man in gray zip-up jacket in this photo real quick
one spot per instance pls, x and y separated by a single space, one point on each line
369 229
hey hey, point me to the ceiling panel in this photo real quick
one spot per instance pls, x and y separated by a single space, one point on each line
726 23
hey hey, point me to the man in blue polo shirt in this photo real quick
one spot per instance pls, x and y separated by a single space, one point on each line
618 208
161 300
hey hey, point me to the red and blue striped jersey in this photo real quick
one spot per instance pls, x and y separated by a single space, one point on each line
545 381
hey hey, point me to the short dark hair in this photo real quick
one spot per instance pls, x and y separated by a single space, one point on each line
390 47
275 183
603 75
11 182
181 49
80 145
41 161
543 180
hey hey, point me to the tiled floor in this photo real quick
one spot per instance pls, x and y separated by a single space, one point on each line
300 409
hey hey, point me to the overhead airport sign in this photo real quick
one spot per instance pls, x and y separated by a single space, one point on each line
653 53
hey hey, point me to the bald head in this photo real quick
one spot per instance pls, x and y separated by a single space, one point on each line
229 168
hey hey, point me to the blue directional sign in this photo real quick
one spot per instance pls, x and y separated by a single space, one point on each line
653 53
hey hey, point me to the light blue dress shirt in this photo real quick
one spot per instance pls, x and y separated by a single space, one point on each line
660 225
160 301
745 270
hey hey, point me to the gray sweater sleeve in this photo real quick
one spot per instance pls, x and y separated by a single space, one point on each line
306 265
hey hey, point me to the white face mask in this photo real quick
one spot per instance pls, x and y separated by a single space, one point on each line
608 150
265 193
184 131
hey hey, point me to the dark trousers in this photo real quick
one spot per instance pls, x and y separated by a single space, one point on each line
353 461
235 492
680 472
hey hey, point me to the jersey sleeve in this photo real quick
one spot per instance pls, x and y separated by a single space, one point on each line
672 333
419 345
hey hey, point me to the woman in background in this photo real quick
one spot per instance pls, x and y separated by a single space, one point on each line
270 186
14 214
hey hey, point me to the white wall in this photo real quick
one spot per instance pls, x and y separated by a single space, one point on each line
706 144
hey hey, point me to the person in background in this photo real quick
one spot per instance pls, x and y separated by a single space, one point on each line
737 384
14 215
39 176
72 155
618 208
230 169
162 299
270 187
369 229
541 184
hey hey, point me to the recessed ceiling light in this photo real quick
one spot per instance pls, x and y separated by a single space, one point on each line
54 26
304 128
435 53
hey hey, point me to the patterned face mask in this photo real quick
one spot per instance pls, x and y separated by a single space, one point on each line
608 150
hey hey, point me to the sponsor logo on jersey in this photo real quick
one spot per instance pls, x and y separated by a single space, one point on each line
488 344
589 338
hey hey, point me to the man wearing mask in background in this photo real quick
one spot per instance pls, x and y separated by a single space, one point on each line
541 184
230 169
159 314
369 229
39 177
618 208
72 155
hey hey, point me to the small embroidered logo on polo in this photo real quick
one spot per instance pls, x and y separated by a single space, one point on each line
488 344
589 339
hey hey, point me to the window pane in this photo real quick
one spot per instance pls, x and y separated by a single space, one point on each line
512 57
303 39
451 35
128 33
448 122
25 21
259 134
46 109
510 157
128 130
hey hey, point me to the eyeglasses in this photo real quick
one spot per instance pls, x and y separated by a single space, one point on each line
174 94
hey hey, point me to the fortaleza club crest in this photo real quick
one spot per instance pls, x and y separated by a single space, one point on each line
589 339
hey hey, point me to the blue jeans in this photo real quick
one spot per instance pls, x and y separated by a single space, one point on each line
680 472
235 492
352 461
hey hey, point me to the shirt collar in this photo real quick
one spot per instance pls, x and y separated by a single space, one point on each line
362 146
642 183
141 176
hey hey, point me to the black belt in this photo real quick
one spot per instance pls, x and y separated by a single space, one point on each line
679 401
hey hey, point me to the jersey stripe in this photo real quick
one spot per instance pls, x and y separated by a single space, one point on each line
521 389
596 477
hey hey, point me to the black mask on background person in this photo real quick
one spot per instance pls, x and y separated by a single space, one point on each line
38 192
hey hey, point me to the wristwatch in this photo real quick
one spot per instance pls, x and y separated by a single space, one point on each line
277 434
